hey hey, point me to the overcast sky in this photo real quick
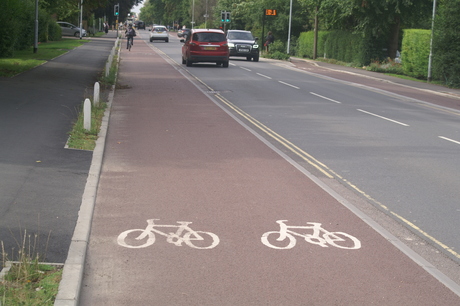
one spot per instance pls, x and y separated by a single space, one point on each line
137 8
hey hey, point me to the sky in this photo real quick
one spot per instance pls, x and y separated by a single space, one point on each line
137 8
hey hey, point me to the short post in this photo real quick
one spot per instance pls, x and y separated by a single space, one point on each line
87 115
97 90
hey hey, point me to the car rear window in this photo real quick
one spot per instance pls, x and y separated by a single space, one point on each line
159 29
209 37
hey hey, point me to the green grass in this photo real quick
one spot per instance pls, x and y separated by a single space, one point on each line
26 59
79 138
28 282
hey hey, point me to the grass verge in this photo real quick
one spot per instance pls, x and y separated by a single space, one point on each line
27 281
25 60
82 139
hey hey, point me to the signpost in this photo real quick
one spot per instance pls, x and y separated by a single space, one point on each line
267 12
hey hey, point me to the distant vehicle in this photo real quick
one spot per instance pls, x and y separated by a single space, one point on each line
205 46
69 29
243 44
139 24
159 32
183 32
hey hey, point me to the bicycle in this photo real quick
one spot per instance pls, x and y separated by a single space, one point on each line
319 237
129 43
146 237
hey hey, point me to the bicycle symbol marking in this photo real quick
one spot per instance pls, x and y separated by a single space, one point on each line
285 237
141 238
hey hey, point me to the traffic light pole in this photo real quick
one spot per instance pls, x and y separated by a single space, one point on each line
116 11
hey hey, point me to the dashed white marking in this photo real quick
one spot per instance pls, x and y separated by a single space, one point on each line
289 85
448 139
326 98
381 117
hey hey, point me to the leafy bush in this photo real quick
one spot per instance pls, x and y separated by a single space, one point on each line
446 44
415 52
388 66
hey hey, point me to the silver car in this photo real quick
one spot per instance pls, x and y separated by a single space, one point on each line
69 29
159 32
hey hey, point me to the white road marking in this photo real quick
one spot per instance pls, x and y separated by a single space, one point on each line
325 98
244 68
289 84
381 117
448 139
265 76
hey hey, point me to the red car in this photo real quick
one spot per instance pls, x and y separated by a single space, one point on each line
204 45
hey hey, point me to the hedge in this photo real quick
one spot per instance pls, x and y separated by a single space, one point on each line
415 52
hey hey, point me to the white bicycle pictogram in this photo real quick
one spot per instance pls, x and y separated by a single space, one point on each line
286 237
141 238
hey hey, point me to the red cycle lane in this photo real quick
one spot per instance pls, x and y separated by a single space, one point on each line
174 156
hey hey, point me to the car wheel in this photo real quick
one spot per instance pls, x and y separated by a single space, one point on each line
151 39
188 62
77 34
256 58
166 40
248 58
225 64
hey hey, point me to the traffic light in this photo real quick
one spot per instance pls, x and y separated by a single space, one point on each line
116 9
227 17
223 15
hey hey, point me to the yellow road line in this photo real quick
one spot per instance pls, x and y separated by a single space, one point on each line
322 167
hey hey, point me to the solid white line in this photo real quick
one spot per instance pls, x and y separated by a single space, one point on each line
448 139
325 98
263 75
394 121
289 84
245 68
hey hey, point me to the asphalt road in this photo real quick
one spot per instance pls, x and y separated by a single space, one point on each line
191 199
395 145
41 182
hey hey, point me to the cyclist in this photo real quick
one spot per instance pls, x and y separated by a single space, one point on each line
130 33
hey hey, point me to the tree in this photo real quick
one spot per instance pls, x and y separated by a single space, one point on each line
446 43
380 19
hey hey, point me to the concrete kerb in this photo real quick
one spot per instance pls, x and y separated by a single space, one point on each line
72 275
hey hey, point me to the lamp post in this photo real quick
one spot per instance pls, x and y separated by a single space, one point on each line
81 18
289 32
36 28
193 13
430 58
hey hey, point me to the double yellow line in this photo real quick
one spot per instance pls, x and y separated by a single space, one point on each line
326 170
329 173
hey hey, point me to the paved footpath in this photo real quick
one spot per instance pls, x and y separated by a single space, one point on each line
173 155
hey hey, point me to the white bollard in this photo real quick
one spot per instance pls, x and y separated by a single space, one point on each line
107 69
97 90
87 115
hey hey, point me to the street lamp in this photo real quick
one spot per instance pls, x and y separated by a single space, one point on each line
81 18
430 58
289 32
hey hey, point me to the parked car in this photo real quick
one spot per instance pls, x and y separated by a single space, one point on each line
243 44
204 45
159 32
69 29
